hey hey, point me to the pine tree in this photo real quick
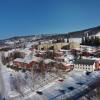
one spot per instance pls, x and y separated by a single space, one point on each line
83 41
92 41
96 41
67 40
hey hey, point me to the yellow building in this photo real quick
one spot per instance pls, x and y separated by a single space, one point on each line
54 46
74 45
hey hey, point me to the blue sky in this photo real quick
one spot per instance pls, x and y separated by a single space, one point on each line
25 17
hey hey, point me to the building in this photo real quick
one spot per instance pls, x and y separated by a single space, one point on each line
97 65
65 67
74 45
84 65
75 40
53 46
26 62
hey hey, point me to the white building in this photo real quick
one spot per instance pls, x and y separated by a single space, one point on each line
97 34
84 65
76 40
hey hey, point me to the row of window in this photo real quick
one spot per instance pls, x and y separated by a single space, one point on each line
83 65
87 68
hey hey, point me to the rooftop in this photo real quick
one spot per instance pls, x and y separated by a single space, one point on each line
84 61
28 60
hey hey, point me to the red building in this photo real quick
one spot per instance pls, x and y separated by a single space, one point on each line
26 63
97 65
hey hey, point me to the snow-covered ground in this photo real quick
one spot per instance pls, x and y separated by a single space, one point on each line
52 90
15 84
23 86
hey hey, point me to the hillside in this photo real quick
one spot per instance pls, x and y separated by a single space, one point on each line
76 34
80 34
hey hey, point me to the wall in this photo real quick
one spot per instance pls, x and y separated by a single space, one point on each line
78 67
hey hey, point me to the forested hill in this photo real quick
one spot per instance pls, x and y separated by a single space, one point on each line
80 34
76 34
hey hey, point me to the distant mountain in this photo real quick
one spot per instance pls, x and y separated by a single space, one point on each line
76 34
80 34
20 37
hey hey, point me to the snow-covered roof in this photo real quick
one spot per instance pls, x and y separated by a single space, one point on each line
19 59
59 52
30 44
62 50
36 59
26 51
46 61
92 58
42 51
28 59
65 64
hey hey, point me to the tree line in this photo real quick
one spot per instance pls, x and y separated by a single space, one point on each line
10 57
91 41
